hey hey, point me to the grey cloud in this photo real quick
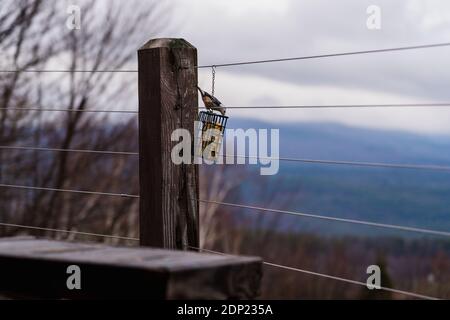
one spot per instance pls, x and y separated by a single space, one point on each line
317 27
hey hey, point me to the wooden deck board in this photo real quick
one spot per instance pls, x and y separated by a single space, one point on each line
37 268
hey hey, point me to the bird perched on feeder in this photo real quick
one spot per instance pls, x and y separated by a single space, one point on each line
211 102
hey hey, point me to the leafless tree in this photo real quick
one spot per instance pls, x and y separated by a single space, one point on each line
34 36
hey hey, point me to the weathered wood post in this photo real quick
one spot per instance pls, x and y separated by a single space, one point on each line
168 100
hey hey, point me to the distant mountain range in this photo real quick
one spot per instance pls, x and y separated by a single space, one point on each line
397 196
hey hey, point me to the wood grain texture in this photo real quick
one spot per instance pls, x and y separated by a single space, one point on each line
167 101
37 268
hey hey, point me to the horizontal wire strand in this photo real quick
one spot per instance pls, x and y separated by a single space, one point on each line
323 275
426 46
351 163
344 220
389 105
335 219
327 276
70 150
124 195
12 225
303 160
67 71
349 53
71 110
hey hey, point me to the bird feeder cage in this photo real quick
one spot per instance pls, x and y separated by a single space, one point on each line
212 128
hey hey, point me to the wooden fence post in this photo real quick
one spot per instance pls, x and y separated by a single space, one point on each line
168 100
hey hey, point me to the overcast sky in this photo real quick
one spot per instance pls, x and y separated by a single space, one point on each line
235 30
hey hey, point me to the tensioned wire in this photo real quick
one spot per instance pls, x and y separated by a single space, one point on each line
240 63
327 276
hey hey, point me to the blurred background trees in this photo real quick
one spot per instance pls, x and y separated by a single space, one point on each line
34 36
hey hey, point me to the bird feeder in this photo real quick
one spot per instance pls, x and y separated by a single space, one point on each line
212 128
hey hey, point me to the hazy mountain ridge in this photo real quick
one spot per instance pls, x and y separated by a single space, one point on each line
335 141
399 196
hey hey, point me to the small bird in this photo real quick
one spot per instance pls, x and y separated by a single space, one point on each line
211 102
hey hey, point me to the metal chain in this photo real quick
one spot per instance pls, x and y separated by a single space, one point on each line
213 69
